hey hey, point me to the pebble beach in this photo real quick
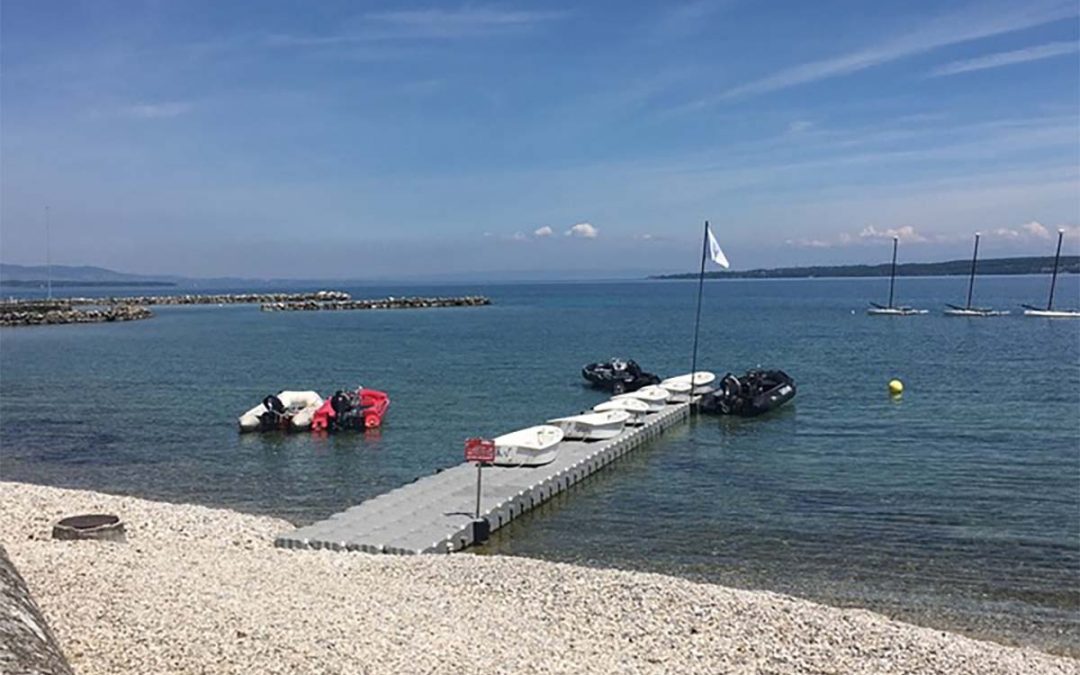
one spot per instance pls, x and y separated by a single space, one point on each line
200 590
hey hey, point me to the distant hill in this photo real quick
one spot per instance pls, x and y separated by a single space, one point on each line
1030 265
27 274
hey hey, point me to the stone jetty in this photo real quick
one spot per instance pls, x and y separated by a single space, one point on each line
219 299
47 312
381 303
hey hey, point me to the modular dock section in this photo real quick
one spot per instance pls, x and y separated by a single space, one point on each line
436 514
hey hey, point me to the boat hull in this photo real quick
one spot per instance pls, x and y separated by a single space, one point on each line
534 446
1053 313
595 426
895 311
654 396
637 409
975 312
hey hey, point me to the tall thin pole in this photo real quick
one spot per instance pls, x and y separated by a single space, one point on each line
892 275
971 281
48 256
697 319
1053 279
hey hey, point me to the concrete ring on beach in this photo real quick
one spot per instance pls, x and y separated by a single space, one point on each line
99 526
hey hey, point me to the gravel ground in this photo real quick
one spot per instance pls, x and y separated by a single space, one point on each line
198 590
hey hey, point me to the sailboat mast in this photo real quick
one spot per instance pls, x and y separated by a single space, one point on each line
892 275
1053 279
48 256
971 281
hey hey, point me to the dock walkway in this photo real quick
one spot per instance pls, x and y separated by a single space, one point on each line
435 514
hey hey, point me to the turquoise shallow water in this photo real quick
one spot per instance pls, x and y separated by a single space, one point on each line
957 506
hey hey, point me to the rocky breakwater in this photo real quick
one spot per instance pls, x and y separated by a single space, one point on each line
49 312
381 303
220 299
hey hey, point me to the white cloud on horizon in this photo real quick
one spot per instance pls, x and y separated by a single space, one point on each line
1007 58
544 231
1028 232
971 23
905 233
1035 231
149 111
584 231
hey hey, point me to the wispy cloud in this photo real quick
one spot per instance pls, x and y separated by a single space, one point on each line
1007 58
149 111
973 23
688 17
426 24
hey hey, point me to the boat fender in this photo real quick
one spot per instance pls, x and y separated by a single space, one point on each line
618 388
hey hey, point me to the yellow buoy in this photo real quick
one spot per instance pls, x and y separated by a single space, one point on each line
896 387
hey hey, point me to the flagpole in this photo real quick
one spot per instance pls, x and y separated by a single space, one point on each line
697 319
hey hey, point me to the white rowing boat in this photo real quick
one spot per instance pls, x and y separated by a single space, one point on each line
534 446
637 408
654 396
593 426
681 384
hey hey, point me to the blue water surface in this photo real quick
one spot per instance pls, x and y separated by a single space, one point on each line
956 506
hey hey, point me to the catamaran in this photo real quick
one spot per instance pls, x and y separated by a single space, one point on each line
968 310
1050 312
889 310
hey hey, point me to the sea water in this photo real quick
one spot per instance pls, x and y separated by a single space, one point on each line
955 506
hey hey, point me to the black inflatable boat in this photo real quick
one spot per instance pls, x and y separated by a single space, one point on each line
754 393
618 376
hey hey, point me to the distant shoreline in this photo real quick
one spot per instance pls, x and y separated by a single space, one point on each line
68 283
988 267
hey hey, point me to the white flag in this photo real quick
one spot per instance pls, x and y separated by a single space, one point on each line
715 253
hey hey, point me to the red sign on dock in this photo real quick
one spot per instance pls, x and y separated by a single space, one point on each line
479 450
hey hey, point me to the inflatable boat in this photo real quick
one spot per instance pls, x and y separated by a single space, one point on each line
756 392
534 446
637 408
287 410
594 426
618 376
356 410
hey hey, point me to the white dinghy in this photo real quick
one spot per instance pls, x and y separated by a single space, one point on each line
681 384
534 446
637 408
595 426
654 396
291 410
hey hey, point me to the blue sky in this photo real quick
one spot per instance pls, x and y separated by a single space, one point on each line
349 139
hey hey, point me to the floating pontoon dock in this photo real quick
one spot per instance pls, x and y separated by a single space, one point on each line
435 514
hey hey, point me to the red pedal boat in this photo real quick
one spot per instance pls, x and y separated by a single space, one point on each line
360 409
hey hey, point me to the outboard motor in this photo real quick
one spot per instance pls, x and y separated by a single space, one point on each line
275 411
